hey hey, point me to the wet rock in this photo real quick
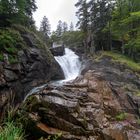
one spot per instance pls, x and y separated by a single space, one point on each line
83 109
10 75
58 51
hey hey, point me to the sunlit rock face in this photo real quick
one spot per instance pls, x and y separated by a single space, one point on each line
87 108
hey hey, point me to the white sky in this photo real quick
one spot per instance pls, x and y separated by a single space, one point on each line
55 10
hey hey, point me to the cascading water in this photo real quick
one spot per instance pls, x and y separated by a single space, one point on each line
70 64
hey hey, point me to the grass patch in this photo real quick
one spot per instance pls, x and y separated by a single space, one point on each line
10 129
10 38
138 121
122 116
55 137
138 93
121 59
11 132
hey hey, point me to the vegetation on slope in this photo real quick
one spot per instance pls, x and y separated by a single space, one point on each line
116 57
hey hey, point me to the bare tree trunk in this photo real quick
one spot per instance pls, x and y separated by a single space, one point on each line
110 38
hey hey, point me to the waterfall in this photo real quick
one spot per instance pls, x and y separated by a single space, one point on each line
70 64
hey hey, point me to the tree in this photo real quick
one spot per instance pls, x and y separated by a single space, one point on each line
65 27
45 27
125 24
29 9
83 19
100 17
71 28
83 15
59 29
17 11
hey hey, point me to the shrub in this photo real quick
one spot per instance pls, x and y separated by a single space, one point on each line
122 116
11 50
10 38
13 59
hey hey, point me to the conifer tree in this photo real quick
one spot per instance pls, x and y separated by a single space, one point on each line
45 27
71 28
65 27
59 29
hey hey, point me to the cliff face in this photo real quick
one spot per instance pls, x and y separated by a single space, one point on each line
34 65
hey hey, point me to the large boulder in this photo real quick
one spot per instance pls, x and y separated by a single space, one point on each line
58 51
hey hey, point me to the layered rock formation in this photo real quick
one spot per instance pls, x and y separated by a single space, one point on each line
89 108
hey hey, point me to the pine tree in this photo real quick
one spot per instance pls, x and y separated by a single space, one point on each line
71 28
45 27
65 27
100 17
59 29
125 24
83 15
17 11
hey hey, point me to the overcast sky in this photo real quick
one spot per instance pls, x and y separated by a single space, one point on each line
55 10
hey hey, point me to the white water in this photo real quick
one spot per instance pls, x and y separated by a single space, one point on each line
70 64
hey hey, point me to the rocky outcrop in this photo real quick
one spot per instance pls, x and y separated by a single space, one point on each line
89 108
124 81
36 65
58 51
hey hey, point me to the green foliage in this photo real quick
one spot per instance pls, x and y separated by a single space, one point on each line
138 121
55 137
13 59
10 40
59 30
83 15
11 132
11 50
45 27
69 38
17 12
122 60
134 44
138 93
125 25
122 116
73 38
